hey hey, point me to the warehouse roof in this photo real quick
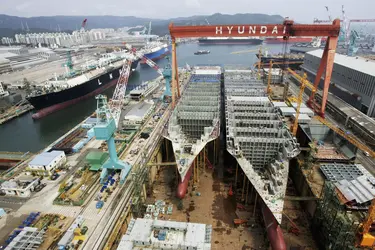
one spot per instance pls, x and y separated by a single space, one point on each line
96 159
360 189
357 63
45 158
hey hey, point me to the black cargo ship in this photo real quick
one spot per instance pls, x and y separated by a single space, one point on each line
230 40
47 103
293 60
202 52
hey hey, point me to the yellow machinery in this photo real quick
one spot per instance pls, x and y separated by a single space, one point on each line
350 138
304 83
269 78
253 50
367 239
299 102
277 63
85 176
244 51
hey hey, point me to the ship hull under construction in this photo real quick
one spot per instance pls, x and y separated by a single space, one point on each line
195 121
261 144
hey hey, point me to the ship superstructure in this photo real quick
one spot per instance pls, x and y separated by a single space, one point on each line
145 89
196 119
156 50
257 137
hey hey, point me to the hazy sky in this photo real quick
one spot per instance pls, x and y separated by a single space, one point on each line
300 10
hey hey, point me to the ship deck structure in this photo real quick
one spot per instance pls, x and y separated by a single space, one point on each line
257 137
195 120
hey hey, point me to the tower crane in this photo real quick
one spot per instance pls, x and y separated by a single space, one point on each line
344 32
329 15
69 64
108 114
367 239
108 117
352 48
339 131
149 32
83 25
166 72
304 83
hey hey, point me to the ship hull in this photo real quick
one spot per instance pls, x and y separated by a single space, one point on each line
51 102
293 63
230 42
161 53
278 40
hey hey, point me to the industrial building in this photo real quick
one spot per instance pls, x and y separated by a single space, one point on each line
353 79
28 238
159 234
59 39
3 93
46 162
21 187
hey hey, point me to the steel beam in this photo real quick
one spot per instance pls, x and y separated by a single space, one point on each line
245 30
150 164
301 198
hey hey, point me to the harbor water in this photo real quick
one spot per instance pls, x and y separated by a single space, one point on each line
25 134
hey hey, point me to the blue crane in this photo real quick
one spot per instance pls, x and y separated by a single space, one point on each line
108 116
353 48
166 72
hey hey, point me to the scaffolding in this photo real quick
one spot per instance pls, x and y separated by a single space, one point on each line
196 119
257 138
140 180
333 225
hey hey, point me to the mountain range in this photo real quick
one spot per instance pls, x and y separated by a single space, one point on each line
10 25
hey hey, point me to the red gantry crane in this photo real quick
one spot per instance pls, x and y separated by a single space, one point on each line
287 29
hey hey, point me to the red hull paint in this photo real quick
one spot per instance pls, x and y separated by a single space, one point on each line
154 59
183 185
9 160
230 43
274 232
46 111
291 40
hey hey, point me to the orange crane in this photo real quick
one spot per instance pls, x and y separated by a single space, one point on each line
245 51
346 135
269 78
367 239
259 63
304 83
286 29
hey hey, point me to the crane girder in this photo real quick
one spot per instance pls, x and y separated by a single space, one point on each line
152 64
348 137
288 28
118 97
302 80
149 62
